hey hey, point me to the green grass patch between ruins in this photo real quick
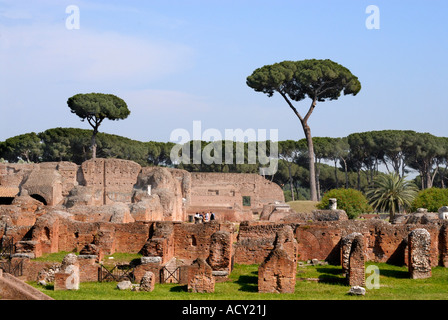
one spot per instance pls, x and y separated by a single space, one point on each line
303 206
322 282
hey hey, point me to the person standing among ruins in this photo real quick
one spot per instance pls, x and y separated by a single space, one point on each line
196 218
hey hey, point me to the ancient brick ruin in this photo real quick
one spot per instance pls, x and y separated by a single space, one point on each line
277 273
356 267
419 254
149 193
108 206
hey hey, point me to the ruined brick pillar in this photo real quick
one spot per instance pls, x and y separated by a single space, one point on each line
346 247
200 278
419 245
356 272
68 278
443 245
277 273
285 238
148 282
220 257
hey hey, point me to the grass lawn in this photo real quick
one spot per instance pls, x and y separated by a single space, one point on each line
394 285
303 206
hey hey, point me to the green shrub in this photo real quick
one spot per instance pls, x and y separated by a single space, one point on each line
431 199
352 201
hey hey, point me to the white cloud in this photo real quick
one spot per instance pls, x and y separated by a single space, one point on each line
53 52
44 64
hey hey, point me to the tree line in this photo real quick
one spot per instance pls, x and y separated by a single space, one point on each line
74 145
349 162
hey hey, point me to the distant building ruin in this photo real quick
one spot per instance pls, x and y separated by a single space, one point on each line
151 193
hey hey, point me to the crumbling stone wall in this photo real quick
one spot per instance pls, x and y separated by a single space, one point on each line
57 233
184 241
159 183
200 278
192 241
114 178
256 239
322 240
151 193
161 242
225 192
13 174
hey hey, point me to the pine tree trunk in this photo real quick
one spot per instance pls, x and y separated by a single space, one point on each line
290 183
309 139
93 143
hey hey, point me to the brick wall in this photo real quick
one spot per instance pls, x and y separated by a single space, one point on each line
321 240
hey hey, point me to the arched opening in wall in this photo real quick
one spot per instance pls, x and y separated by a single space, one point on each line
46 233
192 240
39 198
6 200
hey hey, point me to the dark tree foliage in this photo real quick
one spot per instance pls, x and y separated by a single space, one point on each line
26 147
318 80
95 107
349 162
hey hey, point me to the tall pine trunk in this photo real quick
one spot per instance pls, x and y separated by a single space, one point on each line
290 183
93 143
309 140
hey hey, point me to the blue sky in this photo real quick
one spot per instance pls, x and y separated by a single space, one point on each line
175 62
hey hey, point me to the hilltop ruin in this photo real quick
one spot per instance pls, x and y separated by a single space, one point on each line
106 206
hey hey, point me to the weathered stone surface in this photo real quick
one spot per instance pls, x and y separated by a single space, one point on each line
145 260
419 245
68 277
223 194
255 241
421 218
220 257
200 277
286 240
443 212
277 274
47 275
329 215
148 282
276 211
91 251
443 245
356 272
332 204
346 248
156 247
357 291
124 285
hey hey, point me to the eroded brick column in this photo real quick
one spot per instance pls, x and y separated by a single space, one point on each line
419 244
356 272
200 278
68 279
220 257
346 248
277 273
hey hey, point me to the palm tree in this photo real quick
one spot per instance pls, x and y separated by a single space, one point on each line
390 193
